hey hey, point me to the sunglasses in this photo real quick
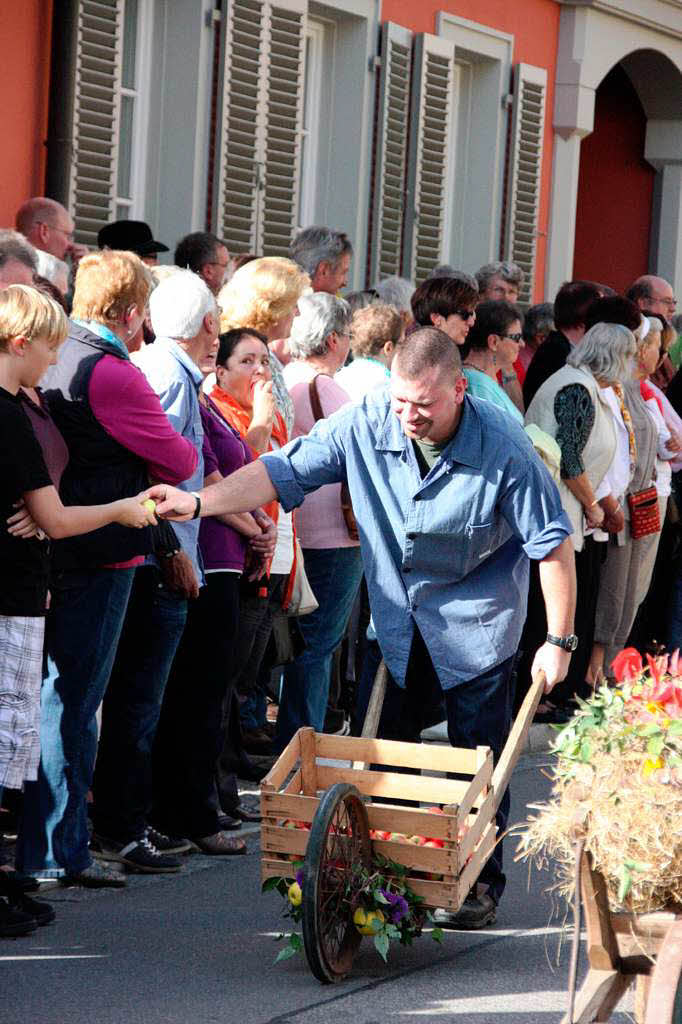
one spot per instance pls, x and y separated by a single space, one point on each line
513 337
464 314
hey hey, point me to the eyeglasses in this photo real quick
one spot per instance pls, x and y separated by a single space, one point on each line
667 301
217 263
465 314
513 337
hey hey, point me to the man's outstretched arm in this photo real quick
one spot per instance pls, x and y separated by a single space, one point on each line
557 579
242 491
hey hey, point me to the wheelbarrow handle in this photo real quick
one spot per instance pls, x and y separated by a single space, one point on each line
376 702
517 738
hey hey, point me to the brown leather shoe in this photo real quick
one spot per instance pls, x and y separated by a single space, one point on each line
220 845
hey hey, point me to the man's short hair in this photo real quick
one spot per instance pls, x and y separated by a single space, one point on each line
572 303
29 312
614 310
36 210
196 250
510 272
426 348
640 289
316 245
13 246
442 296
396 291
539 319
178 305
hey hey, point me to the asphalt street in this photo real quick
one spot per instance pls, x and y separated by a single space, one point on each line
198 948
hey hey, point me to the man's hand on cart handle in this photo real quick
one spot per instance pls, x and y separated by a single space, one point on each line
554 662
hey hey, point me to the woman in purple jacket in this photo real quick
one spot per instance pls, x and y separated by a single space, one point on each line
198 695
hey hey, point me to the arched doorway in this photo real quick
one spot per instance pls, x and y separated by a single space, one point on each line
615 189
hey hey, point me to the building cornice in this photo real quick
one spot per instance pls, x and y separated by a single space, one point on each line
663 16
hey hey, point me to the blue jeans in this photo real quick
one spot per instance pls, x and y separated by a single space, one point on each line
82 632
122 786
479 713
334 575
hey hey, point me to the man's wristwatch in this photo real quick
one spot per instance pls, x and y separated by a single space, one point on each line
568 643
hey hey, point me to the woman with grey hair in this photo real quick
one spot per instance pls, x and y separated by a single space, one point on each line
319 343
572 407
626 573
500 280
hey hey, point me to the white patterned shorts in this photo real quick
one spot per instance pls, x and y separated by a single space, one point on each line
21 664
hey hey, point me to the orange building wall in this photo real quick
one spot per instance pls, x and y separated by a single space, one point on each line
615 189
25 30
535 27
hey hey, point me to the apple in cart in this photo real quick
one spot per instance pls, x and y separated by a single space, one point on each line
399 837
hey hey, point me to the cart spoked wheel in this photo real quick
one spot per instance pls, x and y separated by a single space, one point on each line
338 846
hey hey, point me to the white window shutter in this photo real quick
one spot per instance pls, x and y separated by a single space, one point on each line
525 167
390 161
284 124
242 126
92 189
427 172
260 139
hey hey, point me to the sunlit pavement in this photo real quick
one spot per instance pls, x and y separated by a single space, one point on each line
198 948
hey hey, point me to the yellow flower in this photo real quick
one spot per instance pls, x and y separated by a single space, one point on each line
650 765
295 895
653 707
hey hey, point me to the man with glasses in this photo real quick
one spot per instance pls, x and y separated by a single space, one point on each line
654 297
48 226
206 255
448 303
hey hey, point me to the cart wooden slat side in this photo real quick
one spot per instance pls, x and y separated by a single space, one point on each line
442 877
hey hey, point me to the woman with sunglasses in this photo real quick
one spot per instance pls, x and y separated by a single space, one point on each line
492 346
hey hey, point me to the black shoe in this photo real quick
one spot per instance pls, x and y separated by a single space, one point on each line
227 823
42 913
137 855
14 923
244 814
256 741
476 912
96 876
16 881
165 843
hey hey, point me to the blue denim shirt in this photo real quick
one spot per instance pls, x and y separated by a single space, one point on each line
449 552
176 380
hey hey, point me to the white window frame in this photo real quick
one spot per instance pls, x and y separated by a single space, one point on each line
135 204
317 31
483 61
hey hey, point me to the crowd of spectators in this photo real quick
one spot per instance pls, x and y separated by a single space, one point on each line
147 666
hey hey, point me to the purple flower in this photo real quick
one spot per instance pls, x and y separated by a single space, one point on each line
299 877
398 903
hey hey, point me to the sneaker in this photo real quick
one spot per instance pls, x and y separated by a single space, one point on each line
96 876
336 723
167 844
137 855
42 913
476 912
14 923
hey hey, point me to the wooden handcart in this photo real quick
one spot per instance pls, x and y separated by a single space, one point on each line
624 949
307 785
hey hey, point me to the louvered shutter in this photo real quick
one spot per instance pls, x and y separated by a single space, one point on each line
260 145
525 166
430 129
95 117
283 125
243 129
390 164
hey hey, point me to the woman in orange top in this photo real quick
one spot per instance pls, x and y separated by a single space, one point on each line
243 395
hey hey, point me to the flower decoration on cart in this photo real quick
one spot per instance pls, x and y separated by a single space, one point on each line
617 784
378 900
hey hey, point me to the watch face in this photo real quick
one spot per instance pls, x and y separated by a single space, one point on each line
571 642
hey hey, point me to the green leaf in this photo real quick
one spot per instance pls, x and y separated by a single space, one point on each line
296 942
625 884
637 865
675 727
379 896
285 953
655 745
271 883
381 943
585 751
651 729
437 934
